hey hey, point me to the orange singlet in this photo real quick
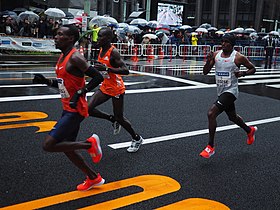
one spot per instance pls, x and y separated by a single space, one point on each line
69 84
113 84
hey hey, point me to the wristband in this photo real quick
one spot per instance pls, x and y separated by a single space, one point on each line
244 73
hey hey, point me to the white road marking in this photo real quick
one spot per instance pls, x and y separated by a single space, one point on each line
191 133
274 86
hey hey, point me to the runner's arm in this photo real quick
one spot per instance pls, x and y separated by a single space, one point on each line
243 60
209 62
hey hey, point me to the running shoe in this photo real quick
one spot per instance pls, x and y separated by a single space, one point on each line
251 135
90 183
117 127
95 150
135 145
207 152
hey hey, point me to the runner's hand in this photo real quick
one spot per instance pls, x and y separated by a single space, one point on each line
210 56
100 67
75 98
40 79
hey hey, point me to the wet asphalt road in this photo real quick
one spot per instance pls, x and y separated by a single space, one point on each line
170 113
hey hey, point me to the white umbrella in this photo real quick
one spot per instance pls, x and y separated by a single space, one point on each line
275 33
139 21
102 21
194 33
55 12
133 29
219 32
238 30
203 30
31 16
150 36
153 24
123 25
184 27
249 30
212 29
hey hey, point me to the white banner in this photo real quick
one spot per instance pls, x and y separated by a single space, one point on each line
27 44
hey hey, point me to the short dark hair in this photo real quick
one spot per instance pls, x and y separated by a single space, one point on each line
72 31
230 38
107 32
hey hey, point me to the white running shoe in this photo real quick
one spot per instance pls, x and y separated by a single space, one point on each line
117 127
135 145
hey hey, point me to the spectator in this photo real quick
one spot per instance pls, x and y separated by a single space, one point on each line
42 27
50 26
268 50
25 30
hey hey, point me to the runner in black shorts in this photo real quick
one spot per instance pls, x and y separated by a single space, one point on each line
227 70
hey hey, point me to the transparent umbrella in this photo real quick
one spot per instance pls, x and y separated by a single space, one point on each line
102 21
150 36
153 24
31 16
139 21
55 12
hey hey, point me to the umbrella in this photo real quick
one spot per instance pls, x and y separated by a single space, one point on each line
102 21
184 27
38 10
139 21
163 26
69 15
133 29
31 16
123 25
274 33
150 36
212 29
205 25
249 30
194 33
219 32
238 30
153 24
55 12
8 13
203 30
71 21
19 9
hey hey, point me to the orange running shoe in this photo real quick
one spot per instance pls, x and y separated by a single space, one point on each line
251 135
95 150
207 152
90 183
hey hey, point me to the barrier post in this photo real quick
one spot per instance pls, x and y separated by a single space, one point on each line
150 52
275 56
161 53
134 58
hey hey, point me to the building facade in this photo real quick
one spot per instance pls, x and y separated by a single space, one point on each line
258 14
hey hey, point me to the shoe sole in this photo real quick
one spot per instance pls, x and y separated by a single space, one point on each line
95 185
210 155
132 151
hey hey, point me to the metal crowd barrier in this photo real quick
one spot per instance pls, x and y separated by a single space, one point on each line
151 51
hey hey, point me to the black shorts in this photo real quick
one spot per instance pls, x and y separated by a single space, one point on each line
225 102
67 127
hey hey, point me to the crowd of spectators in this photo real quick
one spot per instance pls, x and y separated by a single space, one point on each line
42 28
46 28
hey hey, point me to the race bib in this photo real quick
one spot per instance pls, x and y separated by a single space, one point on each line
223 78
62 89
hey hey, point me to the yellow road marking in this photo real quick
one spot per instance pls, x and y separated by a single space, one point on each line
152 185
195 204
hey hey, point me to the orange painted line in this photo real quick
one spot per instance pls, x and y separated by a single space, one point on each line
43 126
195 204
152 185
20 116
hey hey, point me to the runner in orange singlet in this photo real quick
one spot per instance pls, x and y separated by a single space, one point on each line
71 69
112 67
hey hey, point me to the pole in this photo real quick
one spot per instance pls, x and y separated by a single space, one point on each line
124 10
148 10
276 25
